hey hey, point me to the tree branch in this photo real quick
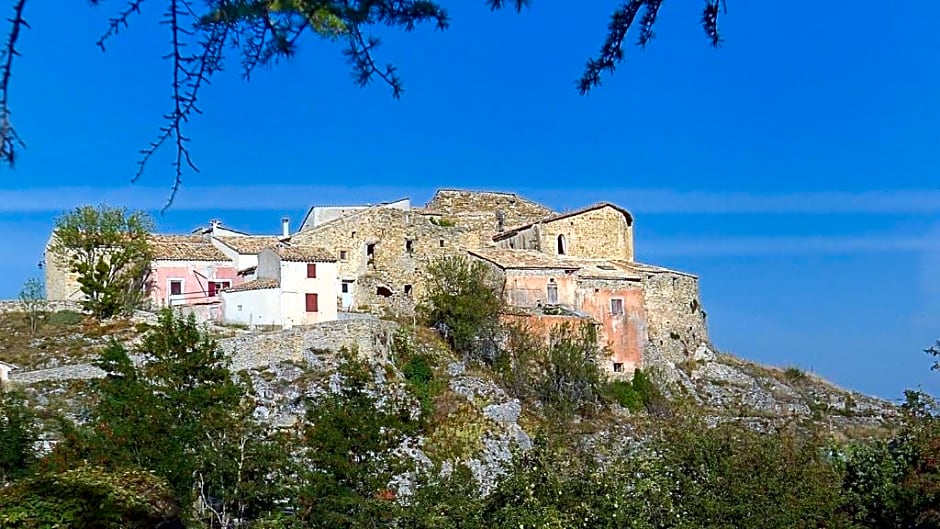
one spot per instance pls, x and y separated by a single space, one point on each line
9 139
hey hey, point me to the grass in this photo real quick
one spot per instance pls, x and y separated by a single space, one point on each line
67 337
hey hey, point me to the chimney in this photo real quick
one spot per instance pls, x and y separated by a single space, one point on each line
213 224
285 228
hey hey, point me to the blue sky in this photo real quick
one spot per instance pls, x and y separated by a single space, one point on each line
794 169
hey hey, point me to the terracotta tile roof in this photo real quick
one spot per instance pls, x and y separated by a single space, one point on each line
250 245
532 259
508 259
510 232
307 254
256 284
184 248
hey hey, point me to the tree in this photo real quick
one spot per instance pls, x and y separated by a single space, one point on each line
265 31
90 498
33 300
348 462
185 417
18 436
108 248
463 302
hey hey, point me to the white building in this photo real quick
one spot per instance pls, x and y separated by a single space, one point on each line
294 286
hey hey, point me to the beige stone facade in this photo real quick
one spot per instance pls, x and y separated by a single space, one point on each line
602 231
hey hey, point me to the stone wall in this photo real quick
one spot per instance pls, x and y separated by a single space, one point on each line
675 319
601 233
370 338
515 209
386 251
14 305
60 282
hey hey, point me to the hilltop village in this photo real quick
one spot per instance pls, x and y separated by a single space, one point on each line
345 262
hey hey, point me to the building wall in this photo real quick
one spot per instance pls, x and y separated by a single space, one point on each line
485 204
241 261
61 283
529 288
625 334
379 281
295 285
602 233
252 307
269 265
675 320
195 275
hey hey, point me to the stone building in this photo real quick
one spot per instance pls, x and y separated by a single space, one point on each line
383 250
581 262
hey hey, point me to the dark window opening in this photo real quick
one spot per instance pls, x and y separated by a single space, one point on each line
616 306
562 246
354 234
344 288
552 292
342 255
311 270
409 246
408 290
385 292
618 367
693 305
370 250
441 242
176 288
312 303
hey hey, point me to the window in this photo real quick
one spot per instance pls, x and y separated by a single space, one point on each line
408 290
217 286
311 270
176 287
616 306
442 243
562 245
409 246
552 292
342 255
385 292
344 288
618 367
312 305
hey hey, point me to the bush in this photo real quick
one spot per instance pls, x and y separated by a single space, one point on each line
65 318
637 394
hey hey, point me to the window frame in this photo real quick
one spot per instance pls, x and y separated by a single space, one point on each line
307 303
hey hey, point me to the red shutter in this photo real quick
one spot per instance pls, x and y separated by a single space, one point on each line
311 269
211 289
312 303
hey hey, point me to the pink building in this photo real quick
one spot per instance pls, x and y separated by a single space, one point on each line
190 270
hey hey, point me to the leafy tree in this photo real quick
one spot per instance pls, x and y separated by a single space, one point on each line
347 462
18 436
463 301
90 498
265 31
33 300
731 476
109 250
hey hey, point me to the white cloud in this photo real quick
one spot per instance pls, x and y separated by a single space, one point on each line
648 201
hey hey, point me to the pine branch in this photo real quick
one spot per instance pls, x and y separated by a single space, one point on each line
115 24
9 139
611 53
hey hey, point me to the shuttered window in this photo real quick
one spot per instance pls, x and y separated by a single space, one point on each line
311 269
312 303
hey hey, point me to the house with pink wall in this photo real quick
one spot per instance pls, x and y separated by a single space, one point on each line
189 270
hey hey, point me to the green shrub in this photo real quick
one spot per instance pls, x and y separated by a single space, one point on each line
622 392
794 374
65 318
